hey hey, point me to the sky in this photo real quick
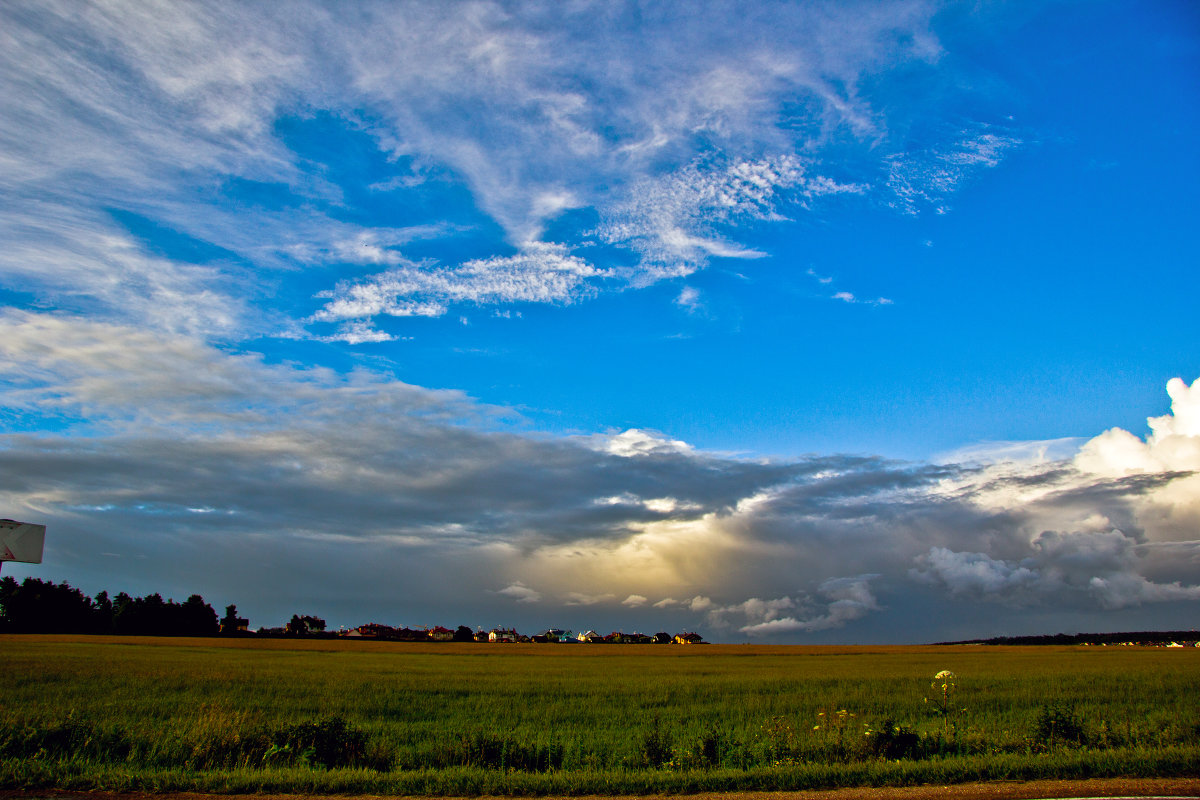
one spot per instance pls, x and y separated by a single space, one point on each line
782 322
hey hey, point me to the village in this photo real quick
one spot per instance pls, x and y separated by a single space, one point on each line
510 635
314 626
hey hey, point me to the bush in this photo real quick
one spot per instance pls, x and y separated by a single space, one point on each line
656 746
330 742
69 738
494 751
1058 723
892 741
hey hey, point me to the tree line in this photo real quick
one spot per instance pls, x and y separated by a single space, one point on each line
36 606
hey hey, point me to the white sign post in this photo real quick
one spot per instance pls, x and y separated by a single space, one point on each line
21 541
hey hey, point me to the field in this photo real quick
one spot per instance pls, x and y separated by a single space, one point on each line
379 718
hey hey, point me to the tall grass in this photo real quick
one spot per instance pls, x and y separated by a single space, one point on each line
451 719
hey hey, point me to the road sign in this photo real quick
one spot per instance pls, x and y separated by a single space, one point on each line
21 541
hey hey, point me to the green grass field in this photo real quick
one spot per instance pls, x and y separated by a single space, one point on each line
336 717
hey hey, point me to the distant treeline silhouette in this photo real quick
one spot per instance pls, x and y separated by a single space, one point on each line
1127 637
36 606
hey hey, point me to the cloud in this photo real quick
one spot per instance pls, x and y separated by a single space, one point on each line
196 120
971 573
846 600
85 263
1075 567
635 442
541 273
376 479
358 332
583 599
675 222
847 297
928 179
520 592
689 299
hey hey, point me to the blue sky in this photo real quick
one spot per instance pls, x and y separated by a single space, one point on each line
788 322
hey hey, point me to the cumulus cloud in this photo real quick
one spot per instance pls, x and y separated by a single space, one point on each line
1065 567
1173 443
520 592
845 600
295 466
635 442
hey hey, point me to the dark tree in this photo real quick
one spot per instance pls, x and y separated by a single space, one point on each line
303 626
36 606
231 622
102 614
196 618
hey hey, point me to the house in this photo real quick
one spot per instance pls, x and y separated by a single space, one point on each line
662 637
551 635
503 635
373 630
441 634
688 638
591 637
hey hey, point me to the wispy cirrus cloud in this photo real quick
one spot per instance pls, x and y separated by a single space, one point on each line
678 222
928 179
182 115
539 273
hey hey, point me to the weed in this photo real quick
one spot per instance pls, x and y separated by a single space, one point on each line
778 740
704 752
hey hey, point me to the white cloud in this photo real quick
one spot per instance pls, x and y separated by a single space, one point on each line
635 601
1173 443
635 442
676 223
928 179
520 592
540 273
689 299
1031 453
167 113
85 263
584 599
358 332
